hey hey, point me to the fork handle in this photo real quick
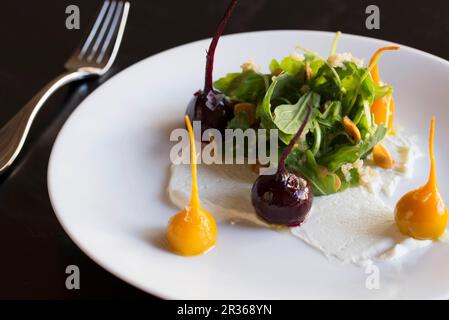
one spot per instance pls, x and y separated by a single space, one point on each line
14 133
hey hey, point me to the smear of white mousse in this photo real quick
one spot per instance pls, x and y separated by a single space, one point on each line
353 226
404 151
225 190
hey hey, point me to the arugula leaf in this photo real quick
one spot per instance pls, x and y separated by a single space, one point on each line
351 153
382 91
247 86
325 83
329 66
363 118
357 87
323 182
292 66
286 89
314 63
263 111
288 117
331 114
369 143
283 88
289 65
316 130
275 67
344 154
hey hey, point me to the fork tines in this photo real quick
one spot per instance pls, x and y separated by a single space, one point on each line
98 43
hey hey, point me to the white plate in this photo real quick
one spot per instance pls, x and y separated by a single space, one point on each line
108 174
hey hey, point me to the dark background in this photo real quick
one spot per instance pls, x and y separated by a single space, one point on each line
34 45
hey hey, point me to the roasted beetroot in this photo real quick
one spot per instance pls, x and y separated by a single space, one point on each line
210 106
283 198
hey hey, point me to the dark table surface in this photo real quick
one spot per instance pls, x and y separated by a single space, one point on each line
34 45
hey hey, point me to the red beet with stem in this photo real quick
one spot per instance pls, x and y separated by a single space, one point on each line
283 198
210 106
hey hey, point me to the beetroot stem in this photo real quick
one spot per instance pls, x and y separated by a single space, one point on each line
213 45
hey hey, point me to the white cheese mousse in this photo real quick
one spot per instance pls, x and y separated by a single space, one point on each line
225 190
353 226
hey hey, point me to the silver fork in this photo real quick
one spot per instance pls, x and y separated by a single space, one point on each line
92 59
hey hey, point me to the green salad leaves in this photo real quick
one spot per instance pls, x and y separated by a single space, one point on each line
244 86
334 88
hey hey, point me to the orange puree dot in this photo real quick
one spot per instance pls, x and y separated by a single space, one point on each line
193 230
421 213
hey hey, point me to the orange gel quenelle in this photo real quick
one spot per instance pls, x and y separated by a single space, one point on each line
383 108
421 213
193 230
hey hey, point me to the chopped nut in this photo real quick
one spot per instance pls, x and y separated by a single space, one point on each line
347 167
337 182
382 157
323 171
339 59
358 164
297 56
276 72
332 60
351 129
249 108
250 65
346 170
367 176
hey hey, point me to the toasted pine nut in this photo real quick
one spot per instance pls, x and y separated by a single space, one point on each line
337 182
276 72
351 129
324 172
382 157
249 108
